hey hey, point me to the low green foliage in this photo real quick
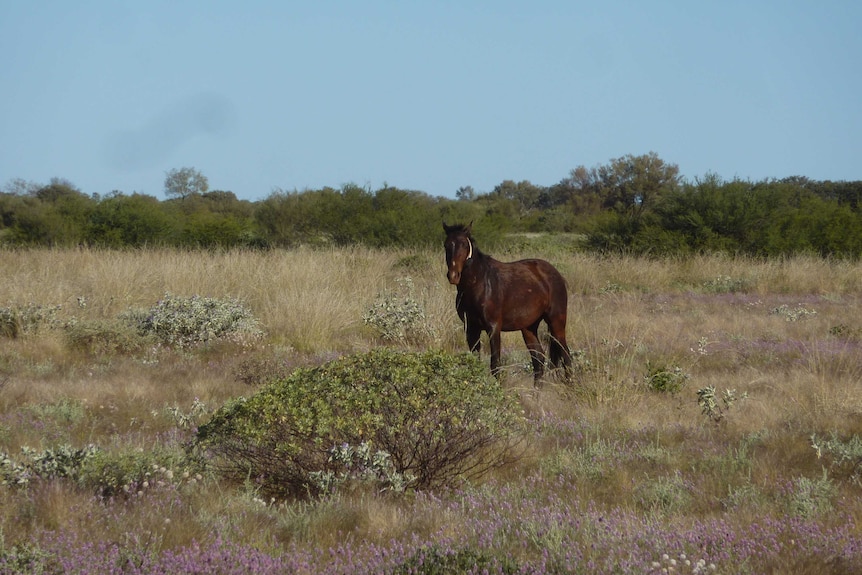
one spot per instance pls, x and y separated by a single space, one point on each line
665 379
187 419
108 474
810 497
846 332
591 461
21 558
104 338
360 465
187 322
717 409
792 313
727 284
434 560
398 316
843 455
131 471
19 320
61 461
666 494
439 417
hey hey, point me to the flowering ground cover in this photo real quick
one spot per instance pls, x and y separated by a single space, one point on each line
713 423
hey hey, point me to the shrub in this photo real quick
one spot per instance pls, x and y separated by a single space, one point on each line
846 332
438 416
711 408
190 321
727 284
792 314
21 558
19 320
398 316
845 456
111 474
61 461
363 466
436 560
811 497
665 379
664 494
102 338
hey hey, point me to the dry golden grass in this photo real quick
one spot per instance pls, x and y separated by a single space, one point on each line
623 312
713 317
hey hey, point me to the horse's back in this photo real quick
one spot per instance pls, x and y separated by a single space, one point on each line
530 290
537 270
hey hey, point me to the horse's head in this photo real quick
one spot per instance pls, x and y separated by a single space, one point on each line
459 250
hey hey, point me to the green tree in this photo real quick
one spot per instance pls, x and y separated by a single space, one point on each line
184 182
465 193
209 230
283 218
525 196
130 221
630 184
51 215
404 218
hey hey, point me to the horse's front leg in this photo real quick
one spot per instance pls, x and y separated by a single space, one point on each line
474 343
494 341
537 352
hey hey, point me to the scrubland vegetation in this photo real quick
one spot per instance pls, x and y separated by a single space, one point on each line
713 423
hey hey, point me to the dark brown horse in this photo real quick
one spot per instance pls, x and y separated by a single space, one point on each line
495 297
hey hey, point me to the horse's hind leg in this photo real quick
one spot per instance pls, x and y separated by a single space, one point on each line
537 353
559 349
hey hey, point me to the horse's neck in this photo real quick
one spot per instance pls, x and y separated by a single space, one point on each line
476 272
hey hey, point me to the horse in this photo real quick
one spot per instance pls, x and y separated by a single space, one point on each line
496 296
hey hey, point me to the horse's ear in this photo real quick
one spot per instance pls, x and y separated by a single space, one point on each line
469 228
445 227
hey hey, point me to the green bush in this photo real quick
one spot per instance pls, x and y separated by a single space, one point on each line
102 338
435 560
437 417
811 497
186 322
360 465
52 463
844 455
709 402
665 379
19 320
111 474
398 316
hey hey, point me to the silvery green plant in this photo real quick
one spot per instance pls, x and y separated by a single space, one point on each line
792 313
397 315
186 322
12 472
845 455
810 497
189 419
361 464
717 408
19 320
726 284
61 461
667 379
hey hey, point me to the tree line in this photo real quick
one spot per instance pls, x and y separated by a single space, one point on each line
632 204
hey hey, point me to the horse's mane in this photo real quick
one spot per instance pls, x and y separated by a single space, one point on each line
467 229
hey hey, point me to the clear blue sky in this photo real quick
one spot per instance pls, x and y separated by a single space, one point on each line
427 96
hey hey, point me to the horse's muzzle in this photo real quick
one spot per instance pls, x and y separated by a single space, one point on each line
454 277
